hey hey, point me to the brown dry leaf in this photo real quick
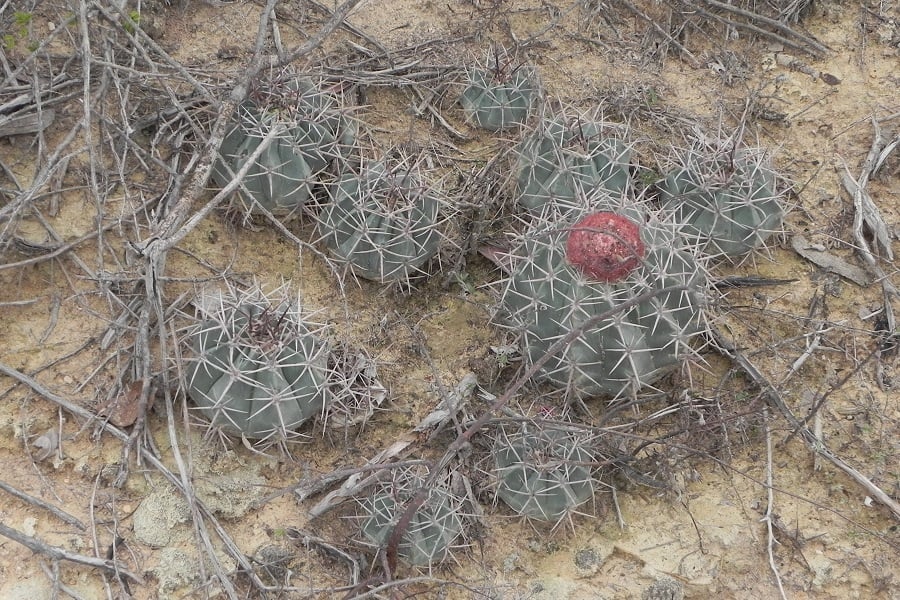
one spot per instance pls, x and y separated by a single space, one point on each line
122 411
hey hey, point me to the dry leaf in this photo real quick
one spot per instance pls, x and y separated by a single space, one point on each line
46 445
122 411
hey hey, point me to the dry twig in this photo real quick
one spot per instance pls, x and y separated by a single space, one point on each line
770 506
55 511
57 553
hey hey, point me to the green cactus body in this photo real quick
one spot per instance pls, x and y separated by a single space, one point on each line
550 292
724 202
496 99
563 159
384 222
257 370
313 133
543 474
433 530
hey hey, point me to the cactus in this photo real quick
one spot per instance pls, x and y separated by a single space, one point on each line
724 199
257 369
543 473
566 157
432 532
384 222
563 276
313 132
499 96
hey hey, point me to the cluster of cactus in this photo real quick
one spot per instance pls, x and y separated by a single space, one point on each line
311 132
383 222
434 530
618 260
543 473
723 197
499 96
257 369
567 157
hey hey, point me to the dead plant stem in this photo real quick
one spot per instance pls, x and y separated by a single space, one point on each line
57 553
55 511
770 505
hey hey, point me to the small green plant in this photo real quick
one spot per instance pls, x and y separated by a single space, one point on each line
601 261
21 25
499 95
565 158
543 472
312 132
256 368
433 532
384 222
132 22
723 198
22 20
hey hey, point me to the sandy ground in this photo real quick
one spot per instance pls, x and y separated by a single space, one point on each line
703 536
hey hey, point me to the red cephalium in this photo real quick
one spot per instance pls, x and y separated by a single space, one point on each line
605 246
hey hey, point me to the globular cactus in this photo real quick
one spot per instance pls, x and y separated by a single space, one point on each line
313 132
385 221
256 368
723 198
435 529
500 95
543 472
618 258
566 157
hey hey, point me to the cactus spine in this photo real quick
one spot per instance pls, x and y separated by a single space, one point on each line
432 532
257 368
384 222
724 199
312 133
543 473
563 276
566 157
499 96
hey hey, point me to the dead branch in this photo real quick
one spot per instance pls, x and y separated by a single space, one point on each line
770 506
867 217
788 36
55 511
818 256
57 553
665 34
151 459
